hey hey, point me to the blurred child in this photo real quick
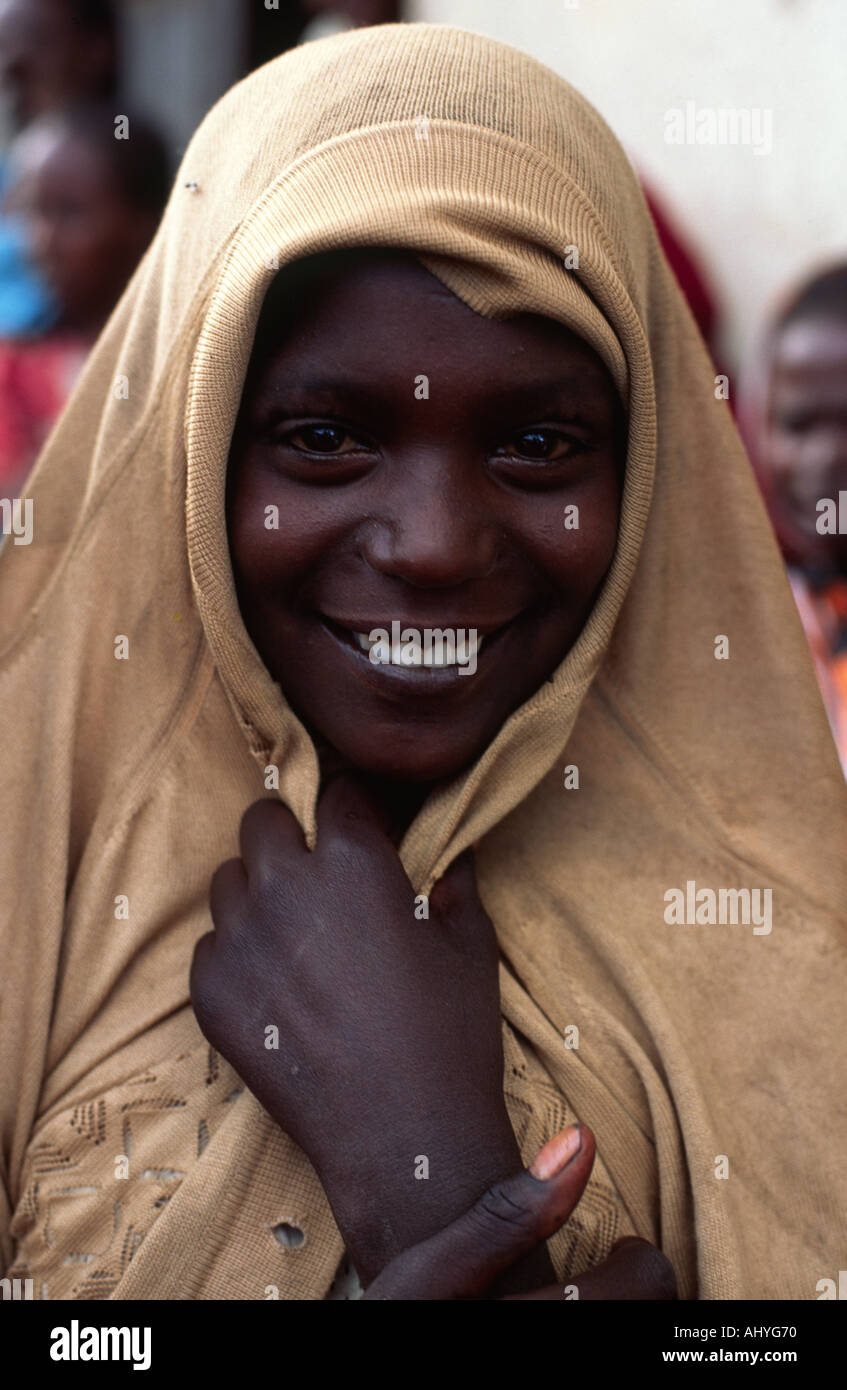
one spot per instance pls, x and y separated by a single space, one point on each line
801 449
91 203
53 53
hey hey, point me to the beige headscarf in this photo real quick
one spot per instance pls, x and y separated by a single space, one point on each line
711 1058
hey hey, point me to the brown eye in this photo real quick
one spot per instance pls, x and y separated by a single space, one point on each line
319 439
542 445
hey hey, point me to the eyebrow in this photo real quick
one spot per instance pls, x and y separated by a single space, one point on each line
336 390
570 390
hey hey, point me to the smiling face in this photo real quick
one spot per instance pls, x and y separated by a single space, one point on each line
436 503
806 437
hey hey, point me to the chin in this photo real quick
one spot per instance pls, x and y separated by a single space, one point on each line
398 763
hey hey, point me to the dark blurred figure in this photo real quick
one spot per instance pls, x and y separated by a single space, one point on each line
273 29
799 444
52 53
91 203
354 14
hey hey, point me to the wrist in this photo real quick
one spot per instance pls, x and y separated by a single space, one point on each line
389 1192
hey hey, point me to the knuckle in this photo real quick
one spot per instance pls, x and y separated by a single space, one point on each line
222 876
254 816
263 881
349 859
345 841
501 1209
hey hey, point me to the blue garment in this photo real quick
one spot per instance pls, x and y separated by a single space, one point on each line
26 305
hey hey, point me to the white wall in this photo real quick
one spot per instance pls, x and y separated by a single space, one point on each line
756 221
179 57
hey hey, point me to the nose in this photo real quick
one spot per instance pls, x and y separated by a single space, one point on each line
434 530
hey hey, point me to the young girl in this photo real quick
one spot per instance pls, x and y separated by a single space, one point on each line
91 203
798 437
405 351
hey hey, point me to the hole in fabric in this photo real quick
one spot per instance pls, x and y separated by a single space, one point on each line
290 1237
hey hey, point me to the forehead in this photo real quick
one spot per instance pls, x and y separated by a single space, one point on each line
387 309
814 343
810 359
52 156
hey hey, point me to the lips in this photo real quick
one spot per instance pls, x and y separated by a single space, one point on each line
464 624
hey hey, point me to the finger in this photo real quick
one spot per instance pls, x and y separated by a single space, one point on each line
507 1222
227 893
269 831
634 1270
203 950
200 961
454 902
456 888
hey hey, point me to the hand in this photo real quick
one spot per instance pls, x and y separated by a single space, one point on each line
470 1257
389 1055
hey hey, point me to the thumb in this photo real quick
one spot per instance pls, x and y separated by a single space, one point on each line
508 1221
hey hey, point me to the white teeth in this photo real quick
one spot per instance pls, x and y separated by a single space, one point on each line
434 652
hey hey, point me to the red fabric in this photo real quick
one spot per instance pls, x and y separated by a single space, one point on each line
36 378
690 277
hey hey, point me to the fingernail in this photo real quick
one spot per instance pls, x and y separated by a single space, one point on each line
556 1153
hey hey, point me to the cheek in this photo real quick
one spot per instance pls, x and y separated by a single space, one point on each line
789 456
782 456
275 536
577 543
107 235
81 248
